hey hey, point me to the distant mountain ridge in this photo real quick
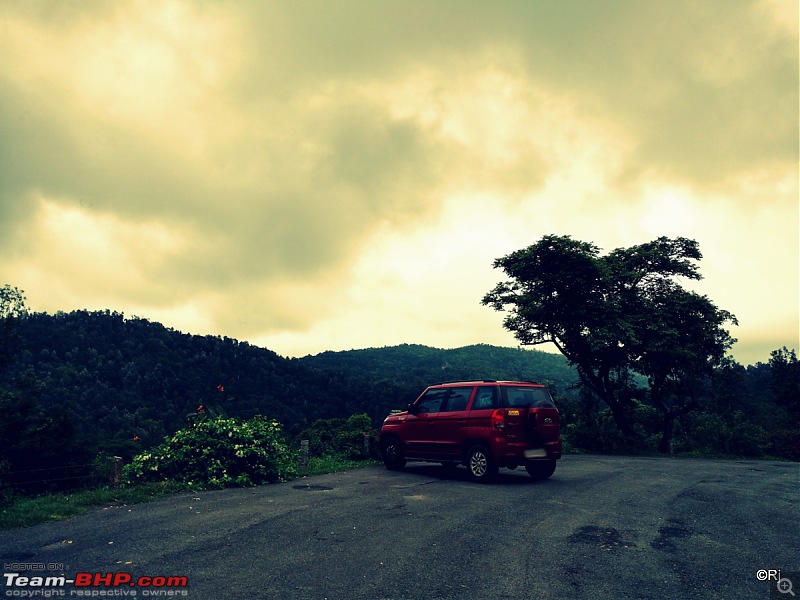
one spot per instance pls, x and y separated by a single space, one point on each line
474 362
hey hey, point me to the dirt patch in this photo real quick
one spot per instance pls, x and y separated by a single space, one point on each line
667 534
605 538
313 488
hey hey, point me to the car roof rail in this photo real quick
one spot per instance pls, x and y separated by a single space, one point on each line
474 381
466 381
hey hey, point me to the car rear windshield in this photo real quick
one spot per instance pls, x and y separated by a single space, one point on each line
526 397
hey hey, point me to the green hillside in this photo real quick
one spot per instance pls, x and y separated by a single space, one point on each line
83 385
103 380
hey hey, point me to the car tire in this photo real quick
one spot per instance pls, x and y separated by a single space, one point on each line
541 470
392 454
480 464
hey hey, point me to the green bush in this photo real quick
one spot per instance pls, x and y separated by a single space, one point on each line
747 438
784 443
599 432
218 452
341 438
708 434
734 435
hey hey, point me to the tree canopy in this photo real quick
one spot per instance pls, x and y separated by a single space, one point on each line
617 315
91 384
12 307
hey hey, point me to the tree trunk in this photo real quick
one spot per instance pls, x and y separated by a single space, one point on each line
607 394
622 417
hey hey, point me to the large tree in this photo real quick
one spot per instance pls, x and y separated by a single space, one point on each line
785 383
616 315
12 307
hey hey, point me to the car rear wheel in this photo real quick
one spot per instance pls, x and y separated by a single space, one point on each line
541 470
392 454
480 464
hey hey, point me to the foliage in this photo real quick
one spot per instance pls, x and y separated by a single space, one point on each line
738 436
617 315
89 383
24 512
332 464
86 384
123 384
12 302
785 382
784 443
750 411
119 379
39 452
218 452
12 308
596 431
738 416
342 438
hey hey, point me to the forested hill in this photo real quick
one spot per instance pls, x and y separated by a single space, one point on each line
409 368
98 380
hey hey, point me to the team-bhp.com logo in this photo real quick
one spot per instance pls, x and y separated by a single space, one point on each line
94 584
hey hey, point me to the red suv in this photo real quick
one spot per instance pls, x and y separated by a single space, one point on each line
484 425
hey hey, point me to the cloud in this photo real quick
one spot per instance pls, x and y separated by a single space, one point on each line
294 171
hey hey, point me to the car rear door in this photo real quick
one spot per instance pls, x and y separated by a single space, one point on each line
447 428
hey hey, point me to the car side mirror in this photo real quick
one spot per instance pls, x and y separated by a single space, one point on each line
412 409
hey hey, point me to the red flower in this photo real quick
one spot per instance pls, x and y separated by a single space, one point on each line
201 409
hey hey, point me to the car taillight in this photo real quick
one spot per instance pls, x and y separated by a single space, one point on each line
498 419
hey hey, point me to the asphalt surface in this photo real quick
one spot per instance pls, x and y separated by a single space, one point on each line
601 527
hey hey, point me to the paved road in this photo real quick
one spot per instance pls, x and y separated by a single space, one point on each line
602 527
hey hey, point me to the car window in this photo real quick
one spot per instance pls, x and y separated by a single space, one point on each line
527 397
432 401
485 398
457 399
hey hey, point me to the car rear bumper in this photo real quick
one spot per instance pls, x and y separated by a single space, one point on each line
511 453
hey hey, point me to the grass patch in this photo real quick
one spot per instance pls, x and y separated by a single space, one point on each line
24 512
333 464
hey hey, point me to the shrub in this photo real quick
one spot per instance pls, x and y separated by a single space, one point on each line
734 435
785 443
709 433
598 432
218 452
341 437
747 438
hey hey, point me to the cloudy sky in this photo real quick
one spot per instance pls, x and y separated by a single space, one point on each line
311 176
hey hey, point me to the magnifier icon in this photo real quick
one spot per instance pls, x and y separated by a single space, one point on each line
784 586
